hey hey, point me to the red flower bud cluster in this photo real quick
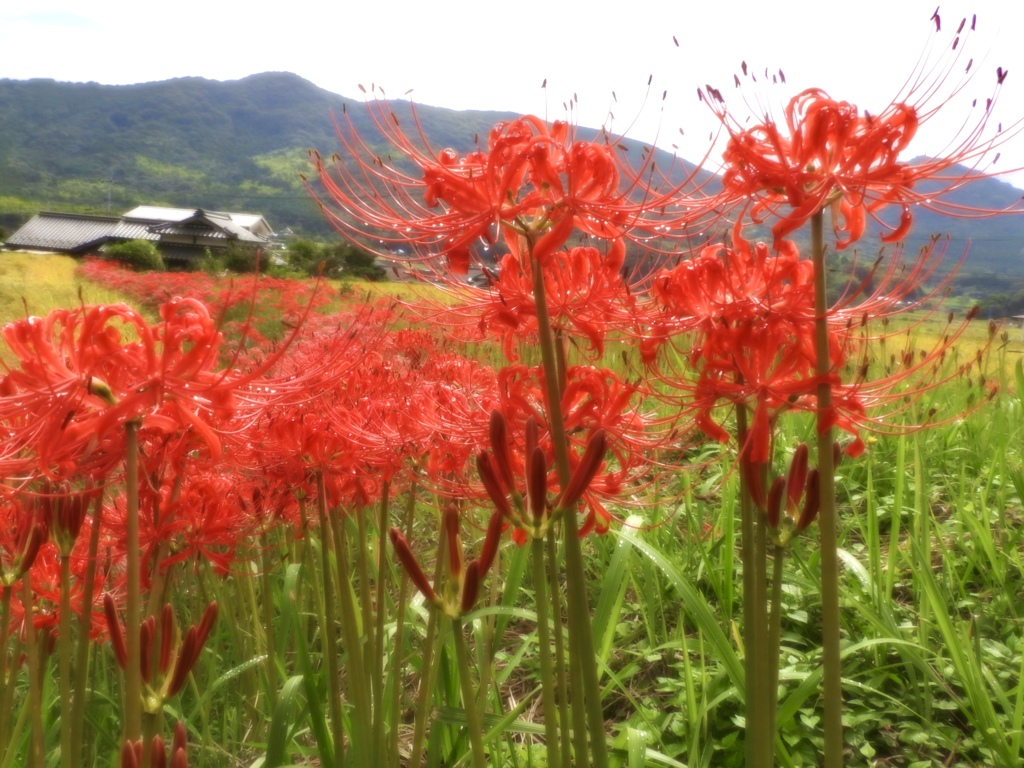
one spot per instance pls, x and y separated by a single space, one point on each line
782 507
131 752
165 671
463 583
531 515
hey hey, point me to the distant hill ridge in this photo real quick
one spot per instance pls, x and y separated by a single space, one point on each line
241 145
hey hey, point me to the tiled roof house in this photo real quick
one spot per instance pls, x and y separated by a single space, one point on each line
181 234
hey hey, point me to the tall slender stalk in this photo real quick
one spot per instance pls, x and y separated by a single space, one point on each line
267 589
758 743
561 669
6 682
377 680
581 638
430 659
547 678
473 721
85 631
64 661
330 625
827 522
398 652
775 639
35 693
133 619
359 686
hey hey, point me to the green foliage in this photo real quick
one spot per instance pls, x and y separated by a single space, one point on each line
334 260
140 255
241 259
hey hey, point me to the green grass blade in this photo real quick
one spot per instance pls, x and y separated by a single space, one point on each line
698 609
280 724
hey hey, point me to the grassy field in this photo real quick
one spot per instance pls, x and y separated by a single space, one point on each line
34 284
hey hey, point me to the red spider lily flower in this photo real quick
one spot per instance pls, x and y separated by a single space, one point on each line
827 154
585 294
79 381
533 186
752 318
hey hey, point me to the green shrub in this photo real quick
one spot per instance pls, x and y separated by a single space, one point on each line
342 260
241 260
140 255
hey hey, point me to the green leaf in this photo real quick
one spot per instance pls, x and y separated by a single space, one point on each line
277 738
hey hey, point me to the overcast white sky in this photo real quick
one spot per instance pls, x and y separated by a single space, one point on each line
477 54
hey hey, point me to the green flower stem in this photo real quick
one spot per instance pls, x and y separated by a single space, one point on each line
6 685
85 631
832 669
581 638
359 686
473 722
133 618
430 658
362 560
398 652
267 589
544 652
329 625
35 694
561 671
64 661
10 746
775 637
579 716
377 678
758 746
161 577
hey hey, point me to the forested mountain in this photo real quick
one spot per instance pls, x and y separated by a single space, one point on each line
241 145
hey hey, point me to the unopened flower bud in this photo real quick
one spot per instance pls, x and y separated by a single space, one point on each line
166 638
470 586
797 476
117 643
812 499
592 459
773 507
102 390
131 754
491 541
206 624
183 665
69 510
537 484
485 468
411 566
180 740
157 752
454 541
502 451
146 647
33 538
531 435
